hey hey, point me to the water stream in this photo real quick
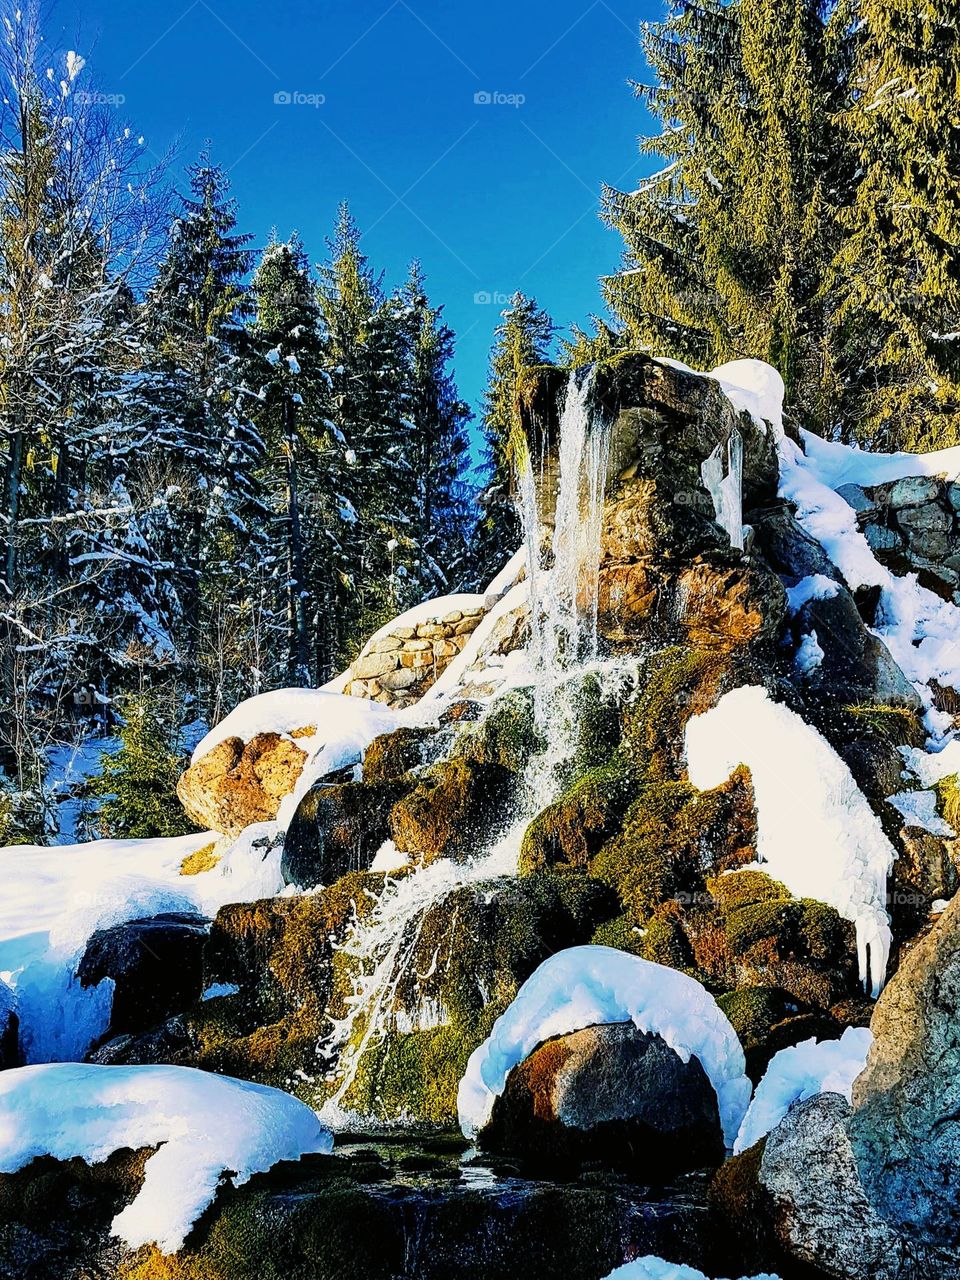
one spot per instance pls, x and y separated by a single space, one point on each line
562 652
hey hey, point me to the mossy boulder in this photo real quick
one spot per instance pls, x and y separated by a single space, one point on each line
608 1094
568 833
338 829
767 1020
454 810
393 755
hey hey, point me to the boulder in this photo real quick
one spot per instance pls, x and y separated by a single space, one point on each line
394 754
156 966
338 829
610 1094
822 1214
856 666
238 784
454 809
786 545
905 1128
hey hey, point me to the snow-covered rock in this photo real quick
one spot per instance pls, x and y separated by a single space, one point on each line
591 986
653 1268
204 1125
816 832
800 1072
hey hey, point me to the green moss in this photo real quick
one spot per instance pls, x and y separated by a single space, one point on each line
948 797
677 683
665 940
899 726
453 808
569 832
753 1011
743 889
505 736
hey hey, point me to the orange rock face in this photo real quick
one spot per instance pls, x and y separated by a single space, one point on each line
237 784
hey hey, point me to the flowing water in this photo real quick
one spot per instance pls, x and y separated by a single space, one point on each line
562 653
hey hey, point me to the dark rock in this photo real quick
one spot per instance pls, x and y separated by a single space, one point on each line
854 496
9 1039
611 1094
156 965
170 1042
338 829
393 755
881 538
914 491
787 546
821 1211
856 666
905 1129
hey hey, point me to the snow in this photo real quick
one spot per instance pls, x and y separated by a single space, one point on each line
809 654
921 630
816 831
208 1125
509 574
753 387
591 986
932 767
344 728
919 809
53 899
654 1268
803 1071
815 587
838 464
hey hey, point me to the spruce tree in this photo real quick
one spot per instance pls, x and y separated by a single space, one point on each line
897 272
728 243
138 783
522 340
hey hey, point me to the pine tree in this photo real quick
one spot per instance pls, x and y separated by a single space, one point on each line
292 394
727 245
522 340
897 272
138 783
438 446
364 338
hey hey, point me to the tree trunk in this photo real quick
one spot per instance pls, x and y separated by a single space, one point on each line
296 576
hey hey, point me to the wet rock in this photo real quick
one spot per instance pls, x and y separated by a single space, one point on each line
453 810
156 966
393 755
338 829
905 1129
787 547
610 1094
238 784
822 1214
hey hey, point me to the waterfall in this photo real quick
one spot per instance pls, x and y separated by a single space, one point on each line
563 649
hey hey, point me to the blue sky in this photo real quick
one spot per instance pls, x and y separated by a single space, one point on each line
490 195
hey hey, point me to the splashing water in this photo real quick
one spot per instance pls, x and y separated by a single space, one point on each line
562 653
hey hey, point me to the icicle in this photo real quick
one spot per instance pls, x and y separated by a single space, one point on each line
723 479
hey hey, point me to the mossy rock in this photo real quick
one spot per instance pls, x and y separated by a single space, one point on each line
454 810
338 829
744 889
393 755
900 726
767 1019
465 960
752 1011
505 737
948 800
568 833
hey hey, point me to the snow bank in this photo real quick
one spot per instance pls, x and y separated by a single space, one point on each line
653 1268
838 464
816 831
590 986
340 722
208 1124
824 1066
52 900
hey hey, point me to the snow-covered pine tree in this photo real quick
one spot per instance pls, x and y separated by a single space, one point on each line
195 316
897 272
438 446
302 454
364 337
